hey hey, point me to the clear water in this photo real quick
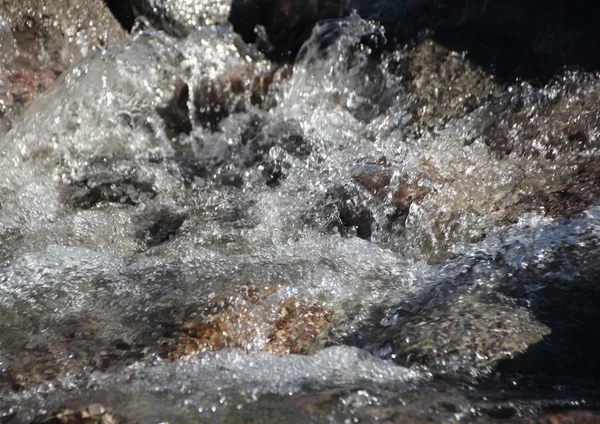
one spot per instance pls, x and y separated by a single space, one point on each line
265 187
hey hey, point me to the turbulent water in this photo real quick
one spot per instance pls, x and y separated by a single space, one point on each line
176 214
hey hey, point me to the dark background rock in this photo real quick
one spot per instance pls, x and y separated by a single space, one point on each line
512 39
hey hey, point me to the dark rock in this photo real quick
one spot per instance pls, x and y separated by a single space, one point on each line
235 92
570 417
408 192
519 39
348 211
107 182
176 114
94 413
52 34
89 194
569 354
158 227
373 177
514 39
287 23
21 86
561 118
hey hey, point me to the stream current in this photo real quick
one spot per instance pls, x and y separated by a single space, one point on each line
189 231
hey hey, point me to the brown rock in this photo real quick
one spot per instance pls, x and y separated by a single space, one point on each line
374 178
93 414
255 319
445 85
43 38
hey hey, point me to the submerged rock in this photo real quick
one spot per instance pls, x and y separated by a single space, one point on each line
256 319
463 333
40 39
93 414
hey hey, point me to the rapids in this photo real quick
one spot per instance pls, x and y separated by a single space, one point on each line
191 231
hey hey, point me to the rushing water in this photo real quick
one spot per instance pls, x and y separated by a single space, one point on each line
178 179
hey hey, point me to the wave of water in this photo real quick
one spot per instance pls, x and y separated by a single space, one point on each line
152 181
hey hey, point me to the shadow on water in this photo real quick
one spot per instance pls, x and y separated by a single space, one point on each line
570 355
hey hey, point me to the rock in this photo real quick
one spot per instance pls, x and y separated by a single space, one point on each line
510 39
444 85
550 122
462 333
42 38
157 227
52 34
349 211
93 414
175 113
20 86
176 17
235 92
373 177
281 26
107 182
386 202
557 126
255 319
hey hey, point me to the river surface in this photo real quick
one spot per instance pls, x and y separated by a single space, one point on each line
190 232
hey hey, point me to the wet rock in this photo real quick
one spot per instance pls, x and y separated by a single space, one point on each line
520 39
175 113
157 227
39 39
21 85
549 123
256 319
559 127
93 414
235 92
177 17
407 193
71 347
444 85
105 181
49 35
348 211
268 144
569 354
462 333
578 191
391 192
511 40
91 193
373 177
